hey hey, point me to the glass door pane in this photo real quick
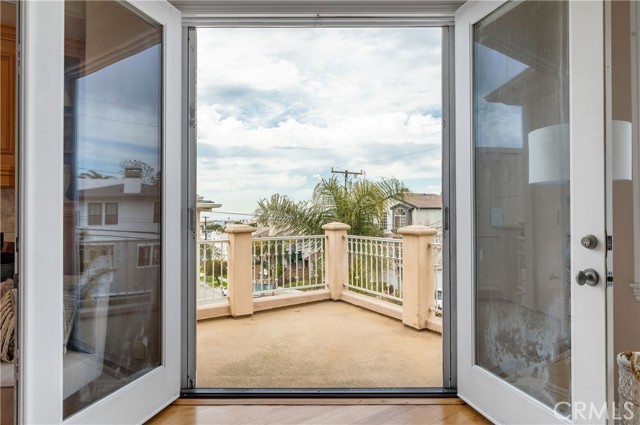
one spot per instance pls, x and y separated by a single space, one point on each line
522 214
112 186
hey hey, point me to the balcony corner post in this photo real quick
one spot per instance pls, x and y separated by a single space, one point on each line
418 277
240 269
336 257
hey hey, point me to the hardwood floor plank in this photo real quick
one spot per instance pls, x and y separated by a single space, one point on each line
320 414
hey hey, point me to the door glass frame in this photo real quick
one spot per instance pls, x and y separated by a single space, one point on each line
491 396
41 217
189 126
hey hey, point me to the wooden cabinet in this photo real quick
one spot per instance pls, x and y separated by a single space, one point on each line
7 107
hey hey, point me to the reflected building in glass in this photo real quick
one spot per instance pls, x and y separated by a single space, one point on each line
112 199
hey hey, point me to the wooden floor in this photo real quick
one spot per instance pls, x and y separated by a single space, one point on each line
334 412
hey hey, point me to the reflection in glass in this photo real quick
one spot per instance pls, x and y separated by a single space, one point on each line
112 186
521 143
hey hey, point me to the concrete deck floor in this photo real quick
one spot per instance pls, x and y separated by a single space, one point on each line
322 345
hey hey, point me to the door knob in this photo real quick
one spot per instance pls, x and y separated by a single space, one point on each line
588 277
589 242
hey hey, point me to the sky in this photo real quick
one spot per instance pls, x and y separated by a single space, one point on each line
278 108
118 114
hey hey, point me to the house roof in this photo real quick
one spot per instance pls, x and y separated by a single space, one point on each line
422 200
117 191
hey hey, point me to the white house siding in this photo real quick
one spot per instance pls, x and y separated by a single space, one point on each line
431 217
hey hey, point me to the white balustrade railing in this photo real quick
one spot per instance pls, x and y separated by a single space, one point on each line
212 271
436 251
291 264
288 264
375 267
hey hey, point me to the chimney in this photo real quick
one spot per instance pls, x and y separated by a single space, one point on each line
132 180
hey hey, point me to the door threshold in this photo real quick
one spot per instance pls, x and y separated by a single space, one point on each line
326 394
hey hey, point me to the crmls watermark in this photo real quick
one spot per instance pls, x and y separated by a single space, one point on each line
593 412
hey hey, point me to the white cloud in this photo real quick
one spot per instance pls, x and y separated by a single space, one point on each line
277 108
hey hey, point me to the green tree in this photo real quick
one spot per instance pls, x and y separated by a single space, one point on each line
361 205
215 227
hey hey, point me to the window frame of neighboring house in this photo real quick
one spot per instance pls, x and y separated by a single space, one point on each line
110 218
399 214
87 251
153 256
93 218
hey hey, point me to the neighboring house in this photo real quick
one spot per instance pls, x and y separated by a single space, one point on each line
415 208
119 221
423 209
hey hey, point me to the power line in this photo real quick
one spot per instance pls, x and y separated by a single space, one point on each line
400 156
347 173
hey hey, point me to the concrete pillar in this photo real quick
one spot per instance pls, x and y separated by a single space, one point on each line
336 257
240 269
418 282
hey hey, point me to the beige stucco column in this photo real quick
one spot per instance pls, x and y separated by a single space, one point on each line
418 282
240 269
336 257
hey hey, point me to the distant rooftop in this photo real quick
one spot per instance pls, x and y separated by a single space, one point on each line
423 200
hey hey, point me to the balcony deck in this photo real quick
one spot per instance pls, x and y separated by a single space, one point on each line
320 345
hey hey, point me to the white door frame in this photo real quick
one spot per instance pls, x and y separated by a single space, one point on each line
41 228
486 392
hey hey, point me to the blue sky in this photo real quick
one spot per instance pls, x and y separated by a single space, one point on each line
118 114
278 108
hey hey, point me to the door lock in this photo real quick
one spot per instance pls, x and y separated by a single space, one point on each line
588 277
589 242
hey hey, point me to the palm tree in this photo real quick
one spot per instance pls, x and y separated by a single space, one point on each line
93 174
361 205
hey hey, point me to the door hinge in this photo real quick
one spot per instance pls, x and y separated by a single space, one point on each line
445 225
192 219
192 116
19 58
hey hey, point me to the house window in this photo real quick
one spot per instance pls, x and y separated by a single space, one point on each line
399 219
111 213
384 225
149 255
95 214
96 256
144 255
157 253
156 212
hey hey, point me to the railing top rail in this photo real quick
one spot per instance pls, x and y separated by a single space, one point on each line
216 241
288 238
374 238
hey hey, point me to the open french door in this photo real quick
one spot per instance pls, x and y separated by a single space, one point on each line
531 211
100 210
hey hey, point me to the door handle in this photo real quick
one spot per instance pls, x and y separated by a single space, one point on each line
588 277
589 242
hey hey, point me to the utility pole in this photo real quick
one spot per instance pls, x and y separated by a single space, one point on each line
346 174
